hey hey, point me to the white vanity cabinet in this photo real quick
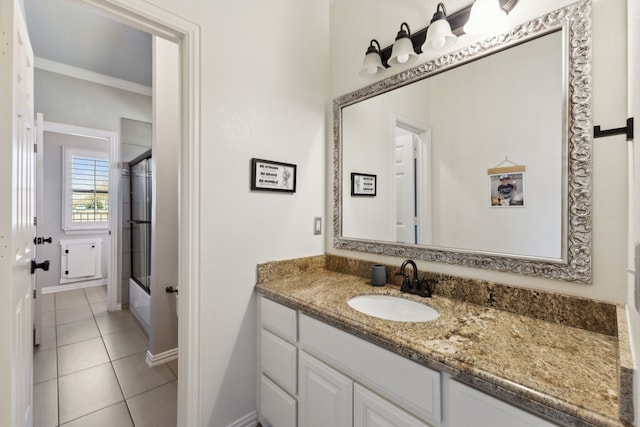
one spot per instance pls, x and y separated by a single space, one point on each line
315 375
278 364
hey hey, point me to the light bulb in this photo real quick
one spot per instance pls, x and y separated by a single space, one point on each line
438 42
371 70
403 58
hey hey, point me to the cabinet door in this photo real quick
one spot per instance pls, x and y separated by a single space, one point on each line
326 396
371 410
277 408
470 407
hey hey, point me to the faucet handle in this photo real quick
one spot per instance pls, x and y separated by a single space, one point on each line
424 288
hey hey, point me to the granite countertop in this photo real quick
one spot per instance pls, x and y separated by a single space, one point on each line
567 374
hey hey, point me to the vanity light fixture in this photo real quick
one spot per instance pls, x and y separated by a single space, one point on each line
403 52
372 65
439 35
488 15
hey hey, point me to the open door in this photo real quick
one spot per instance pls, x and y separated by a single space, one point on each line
17 212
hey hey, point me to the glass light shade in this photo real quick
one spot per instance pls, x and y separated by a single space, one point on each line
402 53
439 36
371 66
485 16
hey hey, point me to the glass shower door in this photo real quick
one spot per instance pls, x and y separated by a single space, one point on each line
141 222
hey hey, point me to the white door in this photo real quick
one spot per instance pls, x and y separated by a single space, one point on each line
37 310
405 189
16 217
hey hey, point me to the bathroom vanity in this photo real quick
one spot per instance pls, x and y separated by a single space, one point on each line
322 363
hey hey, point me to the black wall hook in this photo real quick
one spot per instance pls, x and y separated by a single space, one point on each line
628 130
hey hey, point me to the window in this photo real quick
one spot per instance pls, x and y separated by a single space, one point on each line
86 186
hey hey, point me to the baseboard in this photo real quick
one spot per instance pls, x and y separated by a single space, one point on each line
154 360
72 286
250 420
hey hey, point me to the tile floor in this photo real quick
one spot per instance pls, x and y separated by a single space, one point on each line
90 368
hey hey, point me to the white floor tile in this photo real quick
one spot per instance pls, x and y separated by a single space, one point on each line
173 365
45 404
136 376
81 355
115 321
125 343
73 314
87 391
99 308
48 319
44 365
96 293
47 302
155 408
81 330
113 416
68 299
47 338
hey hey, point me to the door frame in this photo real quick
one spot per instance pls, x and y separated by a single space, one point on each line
423 172
113 274
159 22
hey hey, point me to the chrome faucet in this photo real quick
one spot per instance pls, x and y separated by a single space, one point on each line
416 286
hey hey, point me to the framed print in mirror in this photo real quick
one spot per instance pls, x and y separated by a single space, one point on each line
363 184
267 175
507 189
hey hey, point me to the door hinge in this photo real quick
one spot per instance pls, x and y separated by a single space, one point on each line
35 220
34 294
35 148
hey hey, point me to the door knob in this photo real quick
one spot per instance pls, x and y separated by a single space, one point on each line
41 240
43 265
171 290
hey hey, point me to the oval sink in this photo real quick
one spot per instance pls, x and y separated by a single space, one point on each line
393 308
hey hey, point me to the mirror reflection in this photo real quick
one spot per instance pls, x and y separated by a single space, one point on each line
432 143
481 157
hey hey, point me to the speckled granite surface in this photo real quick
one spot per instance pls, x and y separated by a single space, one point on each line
571 375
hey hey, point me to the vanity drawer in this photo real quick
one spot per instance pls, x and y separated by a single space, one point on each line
409 385
276 406
279 319
278 361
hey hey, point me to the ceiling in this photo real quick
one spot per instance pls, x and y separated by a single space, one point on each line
64 32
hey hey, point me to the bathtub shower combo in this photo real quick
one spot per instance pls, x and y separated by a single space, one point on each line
140 226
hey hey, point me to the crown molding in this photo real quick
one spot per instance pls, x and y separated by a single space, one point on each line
82 74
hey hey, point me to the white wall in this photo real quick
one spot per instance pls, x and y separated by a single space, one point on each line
264 91
163 334
355 22
71 101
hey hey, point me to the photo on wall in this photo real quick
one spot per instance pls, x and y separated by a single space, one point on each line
507 189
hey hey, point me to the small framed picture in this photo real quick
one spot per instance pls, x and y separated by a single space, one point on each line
267 175
507 189
363 184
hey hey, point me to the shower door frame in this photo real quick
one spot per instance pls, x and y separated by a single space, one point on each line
144 156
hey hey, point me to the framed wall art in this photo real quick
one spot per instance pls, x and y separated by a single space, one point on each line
267 175
363 184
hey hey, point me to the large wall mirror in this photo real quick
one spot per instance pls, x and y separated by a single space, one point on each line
481 157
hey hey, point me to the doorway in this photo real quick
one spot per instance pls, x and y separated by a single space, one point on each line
158 22
73 195
412 171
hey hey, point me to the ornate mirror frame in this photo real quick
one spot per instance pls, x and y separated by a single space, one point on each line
575 266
